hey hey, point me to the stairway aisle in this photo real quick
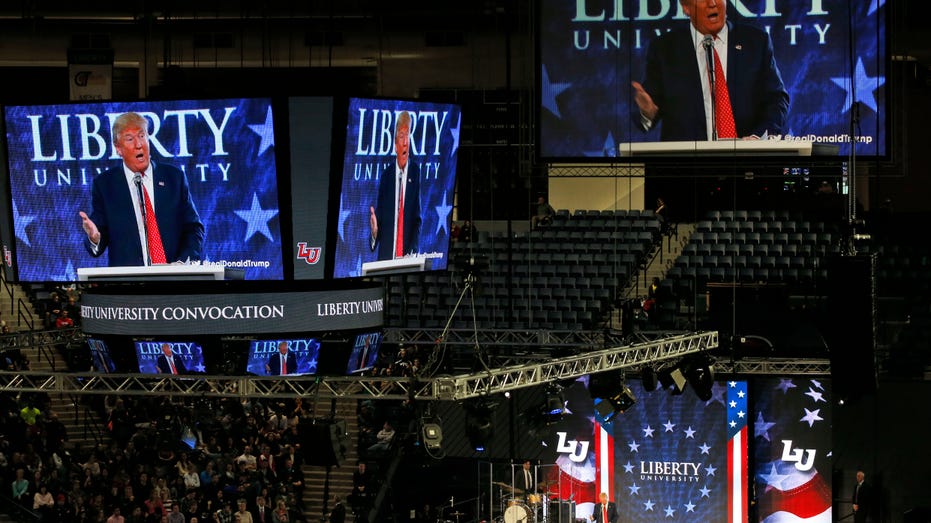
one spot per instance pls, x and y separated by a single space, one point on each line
71 410
340 477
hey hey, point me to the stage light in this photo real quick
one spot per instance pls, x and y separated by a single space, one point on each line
479 423
672 378
432 436
700 374
612 396
649 378
555 401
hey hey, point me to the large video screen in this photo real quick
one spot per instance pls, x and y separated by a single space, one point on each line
364 353
290 357
209 166
618 73
396 197
100 356
792 439
170 357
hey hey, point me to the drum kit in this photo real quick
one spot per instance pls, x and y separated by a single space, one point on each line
519 508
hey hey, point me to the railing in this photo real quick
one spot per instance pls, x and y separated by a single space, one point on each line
18 511
17 305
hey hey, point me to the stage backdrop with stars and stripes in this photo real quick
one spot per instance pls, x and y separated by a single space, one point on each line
225 147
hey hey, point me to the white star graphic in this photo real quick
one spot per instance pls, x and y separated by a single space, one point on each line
704 448
608 149
70 273
718 392
733 404
669 426
199 367
761 427
785 384
442 212
774 478
648 505
648 432
689 433
628 468
733 424
670 512
689 507
732 384
741 414
817 396
817 385
266 131
864 85
455 132
634 446
634 489
343 215
705 492
549 91
741 394
709 470
811 416
20 221
257 219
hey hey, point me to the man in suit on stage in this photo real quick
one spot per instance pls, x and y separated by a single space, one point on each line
605 511
749 99
282 362
169 362
141 204
862 499
396 234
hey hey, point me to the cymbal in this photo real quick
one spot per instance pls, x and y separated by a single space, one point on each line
509 487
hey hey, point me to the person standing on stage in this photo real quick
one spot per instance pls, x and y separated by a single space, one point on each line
605 511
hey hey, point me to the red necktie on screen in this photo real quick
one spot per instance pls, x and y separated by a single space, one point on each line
724 115
399 246
171 364
604 515
153 237
284 365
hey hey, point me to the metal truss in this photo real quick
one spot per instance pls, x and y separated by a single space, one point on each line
443 388
528 375
774 366
595 170
496 337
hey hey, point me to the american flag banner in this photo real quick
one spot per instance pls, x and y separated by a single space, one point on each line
737 414
792 440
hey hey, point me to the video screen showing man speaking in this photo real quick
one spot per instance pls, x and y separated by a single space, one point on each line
144 183
396 196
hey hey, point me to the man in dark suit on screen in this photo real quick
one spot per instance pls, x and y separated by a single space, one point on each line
396 234
140 204
676 90
282 362
169 362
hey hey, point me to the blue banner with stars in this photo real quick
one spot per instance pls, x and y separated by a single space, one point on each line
370 152
830 53
224 147
671 456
